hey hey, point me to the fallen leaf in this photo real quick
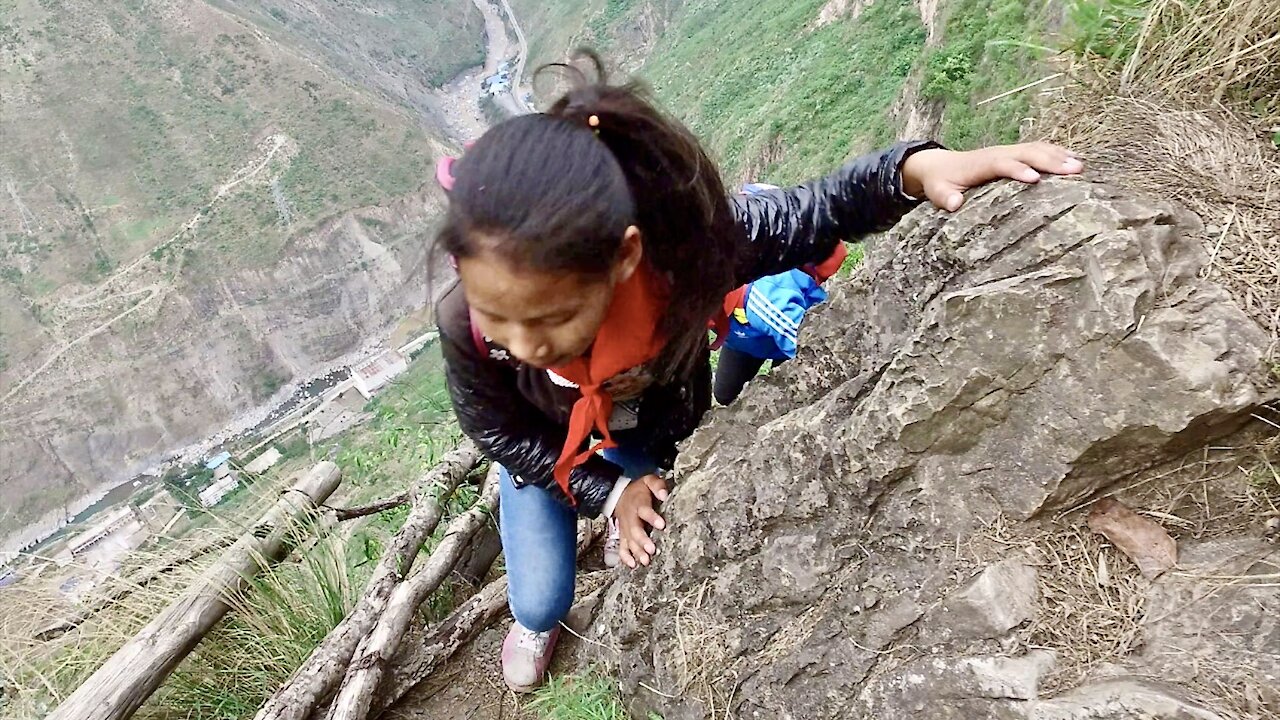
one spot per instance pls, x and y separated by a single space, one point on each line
1140 539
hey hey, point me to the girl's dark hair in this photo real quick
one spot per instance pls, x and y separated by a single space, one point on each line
556 191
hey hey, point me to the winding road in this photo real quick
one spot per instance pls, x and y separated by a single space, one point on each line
496 33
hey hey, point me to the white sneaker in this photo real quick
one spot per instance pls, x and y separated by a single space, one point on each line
612 544
526 655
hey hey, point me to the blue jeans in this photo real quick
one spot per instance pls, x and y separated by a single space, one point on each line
539 540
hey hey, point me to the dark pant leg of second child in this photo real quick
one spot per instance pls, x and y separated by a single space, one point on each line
733 371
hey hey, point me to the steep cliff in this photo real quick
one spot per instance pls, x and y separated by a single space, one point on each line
893 525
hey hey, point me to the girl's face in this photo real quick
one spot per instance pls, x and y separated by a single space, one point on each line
545 319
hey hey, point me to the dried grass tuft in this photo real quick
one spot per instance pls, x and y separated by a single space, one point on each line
1092 605
1186 107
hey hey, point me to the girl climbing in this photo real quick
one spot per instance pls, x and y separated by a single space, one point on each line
764 318
592 244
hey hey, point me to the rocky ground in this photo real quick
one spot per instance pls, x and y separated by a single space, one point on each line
895 524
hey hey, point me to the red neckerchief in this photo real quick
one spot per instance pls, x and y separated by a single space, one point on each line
628 338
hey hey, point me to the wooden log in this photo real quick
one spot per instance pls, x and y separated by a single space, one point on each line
479 555
371 661
440 643
130 585
316 679
395 501
127 678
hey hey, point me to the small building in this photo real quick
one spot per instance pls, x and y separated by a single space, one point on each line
372 376
220 488
220 465
264 462
224 481
124 519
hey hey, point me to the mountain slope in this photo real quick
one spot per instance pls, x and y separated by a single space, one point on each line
193 209
783 90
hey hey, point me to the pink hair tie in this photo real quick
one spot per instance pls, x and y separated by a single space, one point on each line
444 168
444 172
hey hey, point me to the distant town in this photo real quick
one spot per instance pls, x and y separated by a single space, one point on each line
154 507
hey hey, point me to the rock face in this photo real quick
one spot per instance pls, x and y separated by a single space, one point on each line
988 369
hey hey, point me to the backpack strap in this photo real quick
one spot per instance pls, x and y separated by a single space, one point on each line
733 302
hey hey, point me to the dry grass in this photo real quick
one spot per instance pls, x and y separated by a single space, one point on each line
1230 488
1093 599
701 658
1183 105
1223 51
1092 603
1185 108
268 632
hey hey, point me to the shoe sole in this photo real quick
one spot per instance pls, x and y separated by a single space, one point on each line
521 689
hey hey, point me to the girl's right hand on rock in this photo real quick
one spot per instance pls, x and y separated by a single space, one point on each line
634 514
943 176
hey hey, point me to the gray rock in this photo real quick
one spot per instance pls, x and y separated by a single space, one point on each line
1223 611
1129 699
1000 598
1012 359
957 687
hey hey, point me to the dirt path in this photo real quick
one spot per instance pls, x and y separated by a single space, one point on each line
470 686
132 280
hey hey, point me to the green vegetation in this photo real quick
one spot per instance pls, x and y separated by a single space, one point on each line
131 119
185 483
269 381
588 696
554 28
436 38
1106 28
491 110
776 100
288 610
857 253
271 630
412 422
778 97
988 48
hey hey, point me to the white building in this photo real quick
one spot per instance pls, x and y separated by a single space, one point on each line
121 521
224 481
375 374
220 488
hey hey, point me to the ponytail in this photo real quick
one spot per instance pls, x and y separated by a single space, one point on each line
682 210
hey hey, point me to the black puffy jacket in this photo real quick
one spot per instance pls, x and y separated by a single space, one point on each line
519 417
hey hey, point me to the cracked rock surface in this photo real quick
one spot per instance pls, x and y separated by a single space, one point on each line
1002 364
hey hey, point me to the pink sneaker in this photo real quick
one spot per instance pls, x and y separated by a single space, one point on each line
612 544
526 655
